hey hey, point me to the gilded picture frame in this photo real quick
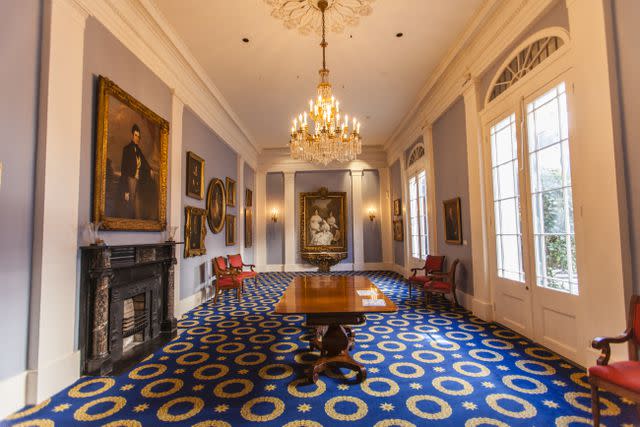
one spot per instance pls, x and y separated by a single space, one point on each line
397 207
130 169
195 231
398 230
323 221
231 192
216 205
452 221
248 228
248 198
195 176
230 230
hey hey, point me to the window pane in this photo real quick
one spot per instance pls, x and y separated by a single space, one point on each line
548 168
508 217
415 245
413 193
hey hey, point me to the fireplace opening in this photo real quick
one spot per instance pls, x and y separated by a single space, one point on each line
135 320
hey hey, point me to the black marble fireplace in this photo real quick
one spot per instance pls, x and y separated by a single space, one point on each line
126 304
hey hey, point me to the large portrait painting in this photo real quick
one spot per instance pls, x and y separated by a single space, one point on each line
216 205
195 231
452 223
130 180
323 221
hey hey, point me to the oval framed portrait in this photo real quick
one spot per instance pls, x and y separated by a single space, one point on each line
216 205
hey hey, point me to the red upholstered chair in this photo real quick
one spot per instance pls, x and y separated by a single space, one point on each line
622 378
226 278
236 263
443 283
433 264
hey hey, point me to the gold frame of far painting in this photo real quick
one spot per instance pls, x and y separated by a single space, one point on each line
189 213
323 194
108 88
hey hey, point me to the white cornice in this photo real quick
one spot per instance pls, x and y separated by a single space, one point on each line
141 27
493 29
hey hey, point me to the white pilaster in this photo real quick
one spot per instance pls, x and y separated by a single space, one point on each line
261 220
404 211
289 221
357 214
481 305
432 206
602 247
240 206
385 216
54 361
176 176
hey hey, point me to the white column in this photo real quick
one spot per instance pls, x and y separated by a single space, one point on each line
481 305
385 216
597 170
261 220
240 206
408 259
175 204
432 205
289 221
54 361
357 214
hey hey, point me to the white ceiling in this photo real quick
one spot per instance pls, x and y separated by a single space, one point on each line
375 75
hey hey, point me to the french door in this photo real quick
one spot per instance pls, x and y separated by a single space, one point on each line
534 276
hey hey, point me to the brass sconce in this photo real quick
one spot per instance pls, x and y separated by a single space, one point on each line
274 214
372 214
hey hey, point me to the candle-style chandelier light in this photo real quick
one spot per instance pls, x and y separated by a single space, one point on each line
331 138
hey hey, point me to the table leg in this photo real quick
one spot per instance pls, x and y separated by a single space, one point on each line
334 346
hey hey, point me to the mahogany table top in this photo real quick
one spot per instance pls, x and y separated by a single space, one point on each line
332 294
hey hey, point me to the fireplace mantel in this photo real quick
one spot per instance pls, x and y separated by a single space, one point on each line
110 274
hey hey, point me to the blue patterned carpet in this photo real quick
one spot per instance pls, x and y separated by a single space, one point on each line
238 364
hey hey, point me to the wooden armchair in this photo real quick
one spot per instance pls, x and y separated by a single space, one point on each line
433 264
622 378
236 264
442 283
226 278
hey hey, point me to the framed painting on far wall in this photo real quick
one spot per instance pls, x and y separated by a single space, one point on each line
398 230
231 192
248 198
452 222
230 230
248 228
130 176
397 207
195 176
195 230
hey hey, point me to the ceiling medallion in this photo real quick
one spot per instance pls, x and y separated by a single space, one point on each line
306 16
330 138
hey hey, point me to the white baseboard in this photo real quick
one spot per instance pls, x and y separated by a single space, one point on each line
13 394
464 299
48 380
482 309
189 303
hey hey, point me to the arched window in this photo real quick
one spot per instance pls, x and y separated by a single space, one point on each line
416 153
418 223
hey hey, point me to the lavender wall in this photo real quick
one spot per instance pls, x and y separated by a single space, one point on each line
396 193
105 55
275 230
220 161
20 23
334 181
450 159
626 16
250 183
371 233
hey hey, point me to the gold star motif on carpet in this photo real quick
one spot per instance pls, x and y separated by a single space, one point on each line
415 386
387 407
560 383
164 358
243 371
221 408
469 405
126 387
398 356
456 355
270 387
488 384
438 369
179 371
198 387
61 407
141 407
374 370
550 404
343 387
565 365
503 368
304 407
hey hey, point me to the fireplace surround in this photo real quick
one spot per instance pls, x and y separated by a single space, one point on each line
126 307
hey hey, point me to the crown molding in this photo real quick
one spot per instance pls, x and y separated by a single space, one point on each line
142 28
492 30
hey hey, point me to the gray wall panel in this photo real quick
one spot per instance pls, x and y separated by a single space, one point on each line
275 230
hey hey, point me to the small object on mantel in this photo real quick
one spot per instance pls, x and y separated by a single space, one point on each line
323 260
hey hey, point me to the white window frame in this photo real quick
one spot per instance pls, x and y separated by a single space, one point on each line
422 215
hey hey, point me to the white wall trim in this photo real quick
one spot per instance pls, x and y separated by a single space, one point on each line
49 379
482 309
189 303
13 394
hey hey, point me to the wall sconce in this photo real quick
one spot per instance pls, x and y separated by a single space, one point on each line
372 214
274 214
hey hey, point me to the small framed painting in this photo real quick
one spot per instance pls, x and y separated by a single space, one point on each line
248 198
398 230
230 230
195 231
397 207
231 192
248 228
452 222
195 176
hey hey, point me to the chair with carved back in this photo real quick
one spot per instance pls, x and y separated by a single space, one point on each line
226 278
433 264
442 283
236 263
621 378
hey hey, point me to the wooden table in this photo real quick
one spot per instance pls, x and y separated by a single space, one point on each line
331 303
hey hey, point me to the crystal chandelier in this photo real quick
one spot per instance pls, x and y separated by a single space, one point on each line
331 139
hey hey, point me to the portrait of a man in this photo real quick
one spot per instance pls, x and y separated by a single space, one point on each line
131 163
452 225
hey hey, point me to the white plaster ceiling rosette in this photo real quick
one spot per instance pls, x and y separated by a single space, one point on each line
307 18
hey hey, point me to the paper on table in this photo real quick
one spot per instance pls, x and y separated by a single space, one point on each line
366 292
373 302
